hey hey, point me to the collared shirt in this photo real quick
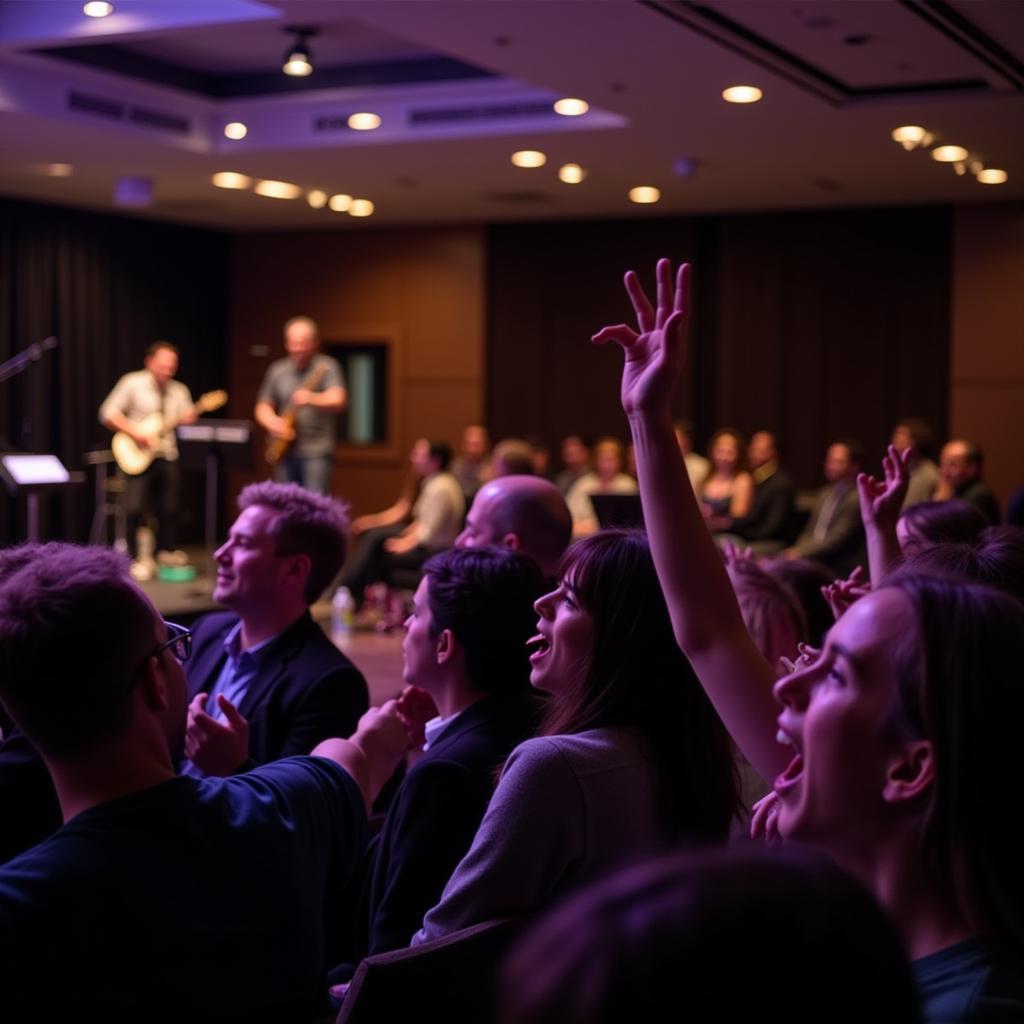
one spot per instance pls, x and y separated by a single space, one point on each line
316 427
136 397
436 726
239 669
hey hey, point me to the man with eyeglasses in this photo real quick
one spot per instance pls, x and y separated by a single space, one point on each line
142 904
265 681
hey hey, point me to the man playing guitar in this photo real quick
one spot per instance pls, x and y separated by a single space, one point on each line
297 404
135 397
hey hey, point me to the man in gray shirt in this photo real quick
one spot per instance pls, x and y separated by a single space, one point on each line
297 404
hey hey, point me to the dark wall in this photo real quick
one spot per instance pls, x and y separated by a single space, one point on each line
106 287
814 324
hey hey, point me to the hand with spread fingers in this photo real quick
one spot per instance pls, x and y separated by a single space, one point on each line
764 821
655 353
840 594
880 504
218 748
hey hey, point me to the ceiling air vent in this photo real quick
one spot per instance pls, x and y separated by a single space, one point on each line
482 112
86 104
162 122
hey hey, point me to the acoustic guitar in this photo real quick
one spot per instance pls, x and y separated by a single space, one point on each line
277 447
133 458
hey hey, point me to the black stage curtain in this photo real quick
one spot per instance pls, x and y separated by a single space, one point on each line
814 324
106 287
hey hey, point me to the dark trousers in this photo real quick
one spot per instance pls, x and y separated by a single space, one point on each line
370 562
156 491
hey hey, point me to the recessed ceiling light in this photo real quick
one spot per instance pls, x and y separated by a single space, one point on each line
316 199
231 179
644 194
97 9
910 136
236 130
742 94
949 154
59 170
571 174
992 176
570 107
361 208
340 203
364 121
277 189
529 158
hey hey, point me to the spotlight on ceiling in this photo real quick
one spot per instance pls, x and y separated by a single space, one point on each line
361 208
949 154
911 136
571 174
364 121
236 130
644 194
298 58
317 199
529 158
992 176
569 106
97 9
742 94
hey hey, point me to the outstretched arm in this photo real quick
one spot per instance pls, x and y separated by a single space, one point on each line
880 505
705 616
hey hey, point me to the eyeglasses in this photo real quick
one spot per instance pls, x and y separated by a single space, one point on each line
179 640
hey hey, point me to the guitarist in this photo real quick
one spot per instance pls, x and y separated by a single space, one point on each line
298 401
135 397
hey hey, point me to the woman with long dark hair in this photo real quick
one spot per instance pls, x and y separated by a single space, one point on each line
630 758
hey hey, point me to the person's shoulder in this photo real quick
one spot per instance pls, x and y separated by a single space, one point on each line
212 624
309 641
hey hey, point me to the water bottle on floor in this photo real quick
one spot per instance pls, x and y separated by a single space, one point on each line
343 609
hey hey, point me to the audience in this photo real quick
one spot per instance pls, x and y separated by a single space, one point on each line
575 462
696 465
885 740
766 527
630 755
436 521
727 493
916 435
960 465
713 937
471 466
834 534
607 478
511 457
161 896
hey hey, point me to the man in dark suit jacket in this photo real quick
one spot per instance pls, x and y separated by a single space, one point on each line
465 646
767 524
960 466
834 534
264 681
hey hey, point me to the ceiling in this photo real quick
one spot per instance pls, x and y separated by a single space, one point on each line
145 94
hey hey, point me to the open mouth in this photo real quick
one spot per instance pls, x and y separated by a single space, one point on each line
540 647
792 772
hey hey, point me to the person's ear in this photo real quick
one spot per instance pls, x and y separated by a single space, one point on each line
911 772
512 541
298 568
446 644
152 684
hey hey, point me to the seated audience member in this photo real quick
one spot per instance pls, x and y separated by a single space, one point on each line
472 465
541 459
938 522
960 466
806 580
436 521
29 809
511 457
575 462
711 937
915 434
696 465
465 645
766 526
727 493
630 755
265 681
161 897
524 513
834 534
885 739
606 478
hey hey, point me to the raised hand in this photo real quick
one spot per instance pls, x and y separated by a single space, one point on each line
218 748
764 821
881 501
840 594
416 707
654 353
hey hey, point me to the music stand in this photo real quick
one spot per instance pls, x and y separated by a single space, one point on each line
215 445
31 475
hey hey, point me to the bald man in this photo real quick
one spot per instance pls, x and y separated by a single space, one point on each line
525 513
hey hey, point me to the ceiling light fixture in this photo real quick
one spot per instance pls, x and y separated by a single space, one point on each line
59 170
571 174
949 154
742 94
316 199
298 58
364 121
97 9
231 179
236 130
361 208
644 194
340 203
570 107
992 176
277 189
529 158
911 136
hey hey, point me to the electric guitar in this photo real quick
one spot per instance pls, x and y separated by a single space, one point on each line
277 447
132 458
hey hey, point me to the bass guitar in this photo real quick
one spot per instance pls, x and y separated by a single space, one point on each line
277 447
